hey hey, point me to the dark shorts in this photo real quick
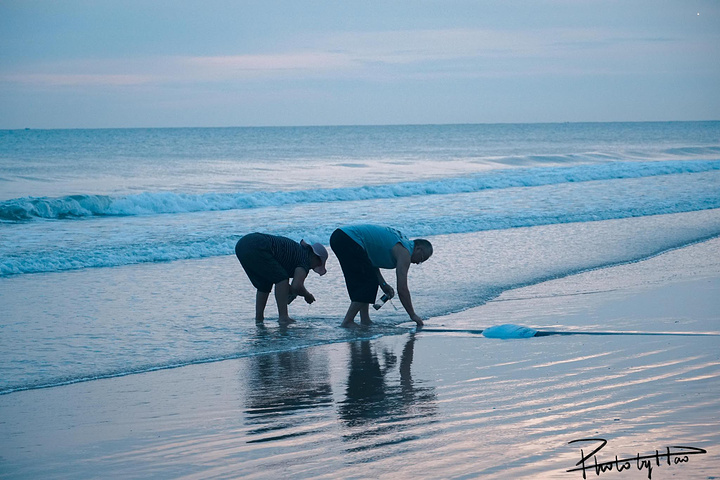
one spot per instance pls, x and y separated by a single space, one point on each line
253 251
360 275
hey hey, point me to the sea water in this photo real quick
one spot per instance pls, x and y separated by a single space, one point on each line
116 245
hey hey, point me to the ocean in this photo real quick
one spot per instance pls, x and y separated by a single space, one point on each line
116 245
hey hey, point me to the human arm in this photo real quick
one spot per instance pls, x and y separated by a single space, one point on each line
402 257
297 287
384 286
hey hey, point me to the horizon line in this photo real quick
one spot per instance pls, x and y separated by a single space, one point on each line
21 129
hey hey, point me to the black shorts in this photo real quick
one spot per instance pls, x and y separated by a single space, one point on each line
360 275
253 251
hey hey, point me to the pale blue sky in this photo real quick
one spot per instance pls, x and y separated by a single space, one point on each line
74 64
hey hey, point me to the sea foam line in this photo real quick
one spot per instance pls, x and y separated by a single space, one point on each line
155 203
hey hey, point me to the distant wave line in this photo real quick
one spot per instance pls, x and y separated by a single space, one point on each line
157 203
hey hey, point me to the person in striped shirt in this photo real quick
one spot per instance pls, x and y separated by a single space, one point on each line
273 260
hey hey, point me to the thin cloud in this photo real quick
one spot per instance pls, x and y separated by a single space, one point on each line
78 80
394 54
286 61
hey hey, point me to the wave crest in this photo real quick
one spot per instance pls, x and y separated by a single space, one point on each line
156 203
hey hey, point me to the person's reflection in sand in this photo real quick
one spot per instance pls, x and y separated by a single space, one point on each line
366 396
379 404
281 388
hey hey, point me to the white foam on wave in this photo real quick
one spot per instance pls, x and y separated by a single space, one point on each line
154 203
36 249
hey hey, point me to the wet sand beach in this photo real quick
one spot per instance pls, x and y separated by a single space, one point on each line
429 404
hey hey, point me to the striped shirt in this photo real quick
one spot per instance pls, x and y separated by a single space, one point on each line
289 253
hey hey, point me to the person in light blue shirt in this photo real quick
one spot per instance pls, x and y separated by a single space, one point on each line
362 251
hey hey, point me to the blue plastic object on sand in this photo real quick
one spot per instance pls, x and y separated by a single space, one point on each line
509 331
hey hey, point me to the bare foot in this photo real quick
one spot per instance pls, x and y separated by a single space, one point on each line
259 321
286 321
349 324
366 322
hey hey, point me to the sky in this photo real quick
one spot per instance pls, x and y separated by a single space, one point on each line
159 63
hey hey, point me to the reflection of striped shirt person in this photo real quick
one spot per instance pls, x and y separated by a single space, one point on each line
289 254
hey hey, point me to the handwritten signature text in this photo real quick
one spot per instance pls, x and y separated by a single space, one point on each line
675 455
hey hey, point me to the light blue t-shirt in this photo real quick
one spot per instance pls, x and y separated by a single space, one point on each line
378 242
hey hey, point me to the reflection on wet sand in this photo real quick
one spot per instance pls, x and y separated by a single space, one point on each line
282 386
289 391
383 404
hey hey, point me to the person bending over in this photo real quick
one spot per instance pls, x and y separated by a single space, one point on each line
272 260
362 251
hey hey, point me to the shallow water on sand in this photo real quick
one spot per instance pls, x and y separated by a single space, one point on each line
95 323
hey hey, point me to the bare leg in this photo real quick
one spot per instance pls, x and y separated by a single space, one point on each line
282 290
365 314
261 299
356 307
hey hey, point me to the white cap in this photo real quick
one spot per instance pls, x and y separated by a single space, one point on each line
319 250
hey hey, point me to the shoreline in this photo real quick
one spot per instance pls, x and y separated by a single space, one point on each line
426 405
